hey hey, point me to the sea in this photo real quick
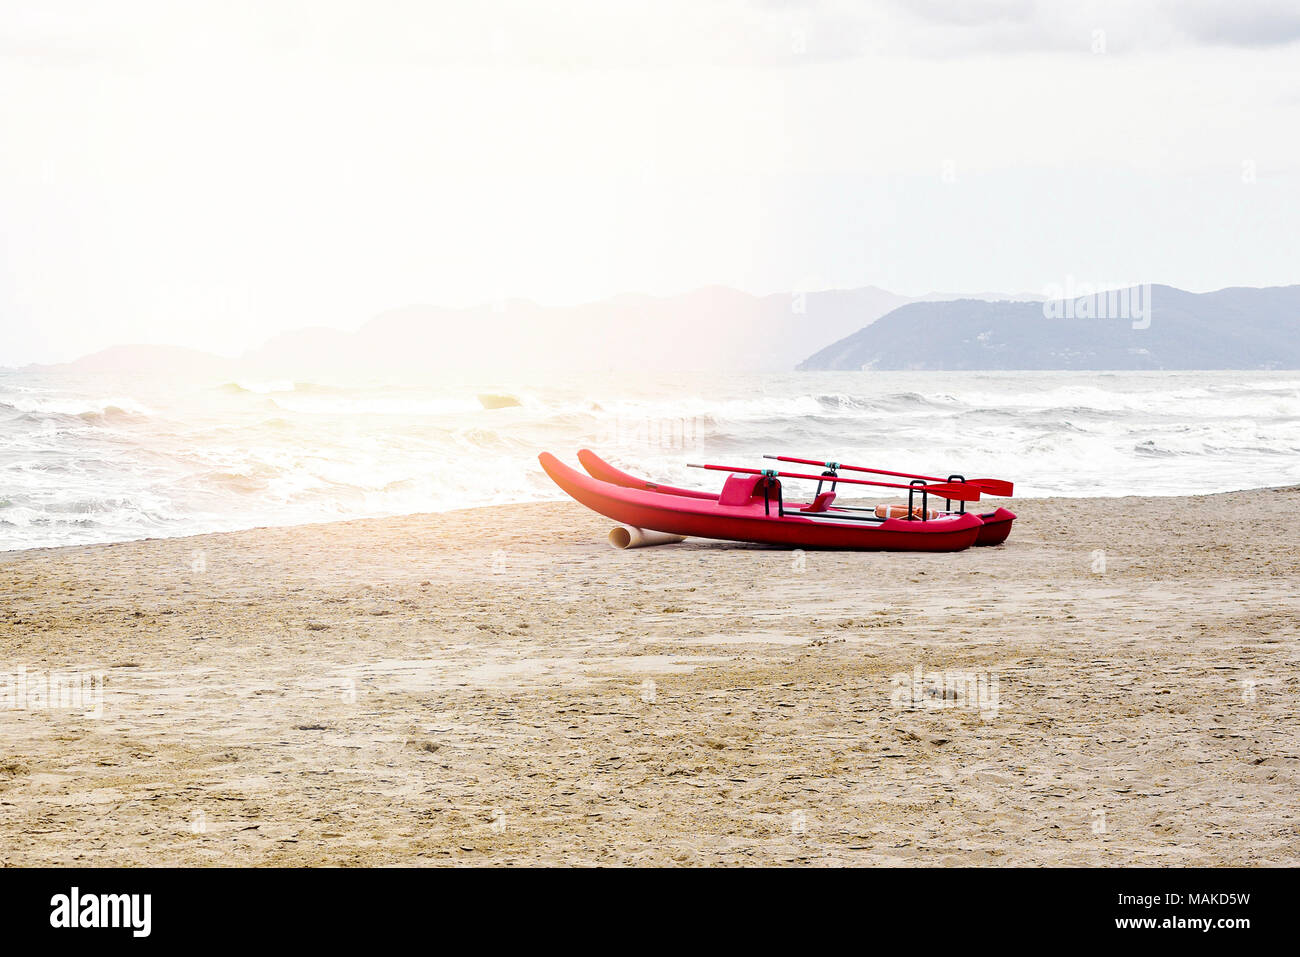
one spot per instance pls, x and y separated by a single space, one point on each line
109 457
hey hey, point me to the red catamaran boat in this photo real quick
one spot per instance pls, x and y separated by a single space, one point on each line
751 508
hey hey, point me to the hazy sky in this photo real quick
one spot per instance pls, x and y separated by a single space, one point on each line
208 174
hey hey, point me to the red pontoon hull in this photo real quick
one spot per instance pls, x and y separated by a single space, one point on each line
705 517
995 528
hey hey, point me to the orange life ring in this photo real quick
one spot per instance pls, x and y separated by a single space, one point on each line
900 511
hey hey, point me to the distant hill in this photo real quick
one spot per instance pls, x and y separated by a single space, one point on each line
149 359
714 329
1235 328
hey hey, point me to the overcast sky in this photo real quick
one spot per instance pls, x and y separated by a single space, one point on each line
208 174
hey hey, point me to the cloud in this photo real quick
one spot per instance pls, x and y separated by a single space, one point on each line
583 35
972 13
935 27
1261 23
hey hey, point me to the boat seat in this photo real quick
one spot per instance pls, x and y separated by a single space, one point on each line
820 503
744 489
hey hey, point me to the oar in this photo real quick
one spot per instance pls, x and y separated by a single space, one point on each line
987 486
957 491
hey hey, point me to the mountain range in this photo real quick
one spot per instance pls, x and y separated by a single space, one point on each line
722 330
713 329
1139 327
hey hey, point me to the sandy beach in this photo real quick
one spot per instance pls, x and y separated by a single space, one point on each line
1115 685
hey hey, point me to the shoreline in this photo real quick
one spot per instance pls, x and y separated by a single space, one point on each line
1115 685
1008 503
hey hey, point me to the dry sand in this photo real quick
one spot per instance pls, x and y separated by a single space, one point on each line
500 686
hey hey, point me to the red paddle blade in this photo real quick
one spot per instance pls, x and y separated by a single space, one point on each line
957 491
993 487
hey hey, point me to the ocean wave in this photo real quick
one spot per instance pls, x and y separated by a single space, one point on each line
846 402
239 482
344 405
839 400
1149 447
257 388
115 405
17 515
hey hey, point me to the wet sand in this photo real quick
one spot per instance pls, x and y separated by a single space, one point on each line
1115 685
